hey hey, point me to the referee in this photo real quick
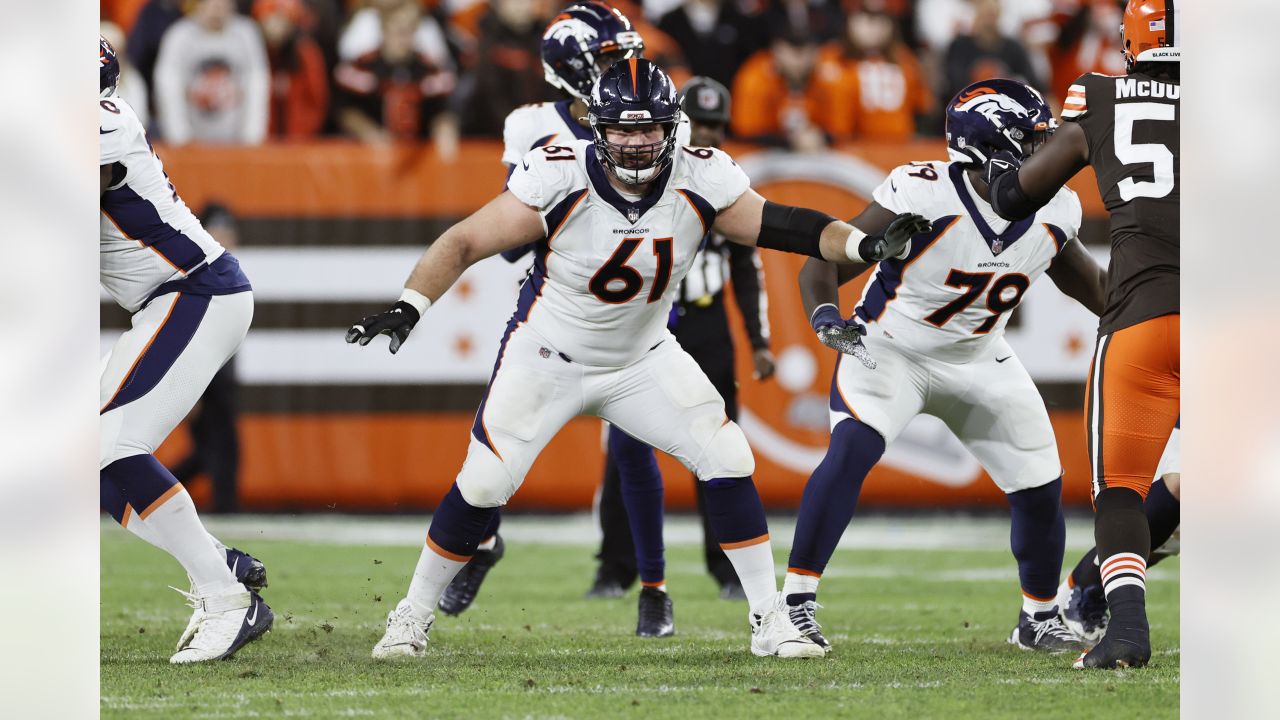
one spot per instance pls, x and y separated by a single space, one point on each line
701 325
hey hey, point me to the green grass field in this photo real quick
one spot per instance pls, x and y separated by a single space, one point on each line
918 633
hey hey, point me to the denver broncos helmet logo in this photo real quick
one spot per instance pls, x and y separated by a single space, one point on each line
566 27
990 104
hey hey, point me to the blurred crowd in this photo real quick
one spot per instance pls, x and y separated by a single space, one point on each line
804 73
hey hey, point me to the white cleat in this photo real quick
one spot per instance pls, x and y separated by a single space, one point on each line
773 634
406 634
221 625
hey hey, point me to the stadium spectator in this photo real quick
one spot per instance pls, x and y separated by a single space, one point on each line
986 52
215 435
884 81
508 67
789 95
149 27
821 20
132 87
1086 41
395 92
658 46
939 22
212 78
299 78
363 33
714 36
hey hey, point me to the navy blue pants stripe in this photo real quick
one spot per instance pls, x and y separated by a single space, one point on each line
170 339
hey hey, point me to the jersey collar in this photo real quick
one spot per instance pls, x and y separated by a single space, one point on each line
997 242
632 211
574 126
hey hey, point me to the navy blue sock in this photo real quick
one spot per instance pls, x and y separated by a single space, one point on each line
830 496
141 479
494 523
111 498
1164 514
734 510
641 486
458 526
1038 536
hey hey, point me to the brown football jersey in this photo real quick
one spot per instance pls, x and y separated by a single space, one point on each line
1131 123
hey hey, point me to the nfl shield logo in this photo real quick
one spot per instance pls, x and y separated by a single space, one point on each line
633 214
708 98
996 246
544 352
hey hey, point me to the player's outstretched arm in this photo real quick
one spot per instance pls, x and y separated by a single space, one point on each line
1080 277
1017 192
752 220
504 223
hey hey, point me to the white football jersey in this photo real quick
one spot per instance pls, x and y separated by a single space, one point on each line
550 123
149 236
951 297
605 275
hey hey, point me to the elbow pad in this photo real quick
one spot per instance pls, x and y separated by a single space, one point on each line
1008 199
792 229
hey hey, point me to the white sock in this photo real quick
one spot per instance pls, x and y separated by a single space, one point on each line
138 526
433 574
1031 605
488 543
754 564
796 583
660 587
177 529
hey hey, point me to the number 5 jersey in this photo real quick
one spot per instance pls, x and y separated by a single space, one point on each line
1131 123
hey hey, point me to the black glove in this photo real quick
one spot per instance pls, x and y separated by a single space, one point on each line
998 164
840 333
396 322
895 241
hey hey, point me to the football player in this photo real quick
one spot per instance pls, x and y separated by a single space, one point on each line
1126 128
936 317
1083 602
582 41
191 308
617 222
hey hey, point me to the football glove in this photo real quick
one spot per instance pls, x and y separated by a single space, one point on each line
895 241
396 322
841 334
998 164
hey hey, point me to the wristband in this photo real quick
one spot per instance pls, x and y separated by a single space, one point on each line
419 301
823 316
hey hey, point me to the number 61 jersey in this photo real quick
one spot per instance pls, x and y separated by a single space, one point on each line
609 267
951 297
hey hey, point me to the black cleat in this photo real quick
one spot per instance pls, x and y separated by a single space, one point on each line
1117 652
466 584
606 585
249 570
656 618
1044 632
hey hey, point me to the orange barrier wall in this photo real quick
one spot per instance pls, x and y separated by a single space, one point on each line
353 461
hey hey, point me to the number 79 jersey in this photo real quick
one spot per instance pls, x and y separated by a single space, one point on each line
606 273
951 297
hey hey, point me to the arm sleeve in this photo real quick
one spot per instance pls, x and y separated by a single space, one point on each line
528 184
746 272
513 138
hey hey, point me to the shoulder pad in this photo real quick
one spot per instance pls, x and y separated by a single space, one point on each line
712 174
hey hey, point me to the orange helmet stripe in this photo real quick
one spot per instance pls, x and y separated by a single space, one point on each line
634 73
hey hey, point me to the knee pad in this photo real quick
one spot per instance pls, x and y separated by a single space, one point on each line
484 480
727 454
